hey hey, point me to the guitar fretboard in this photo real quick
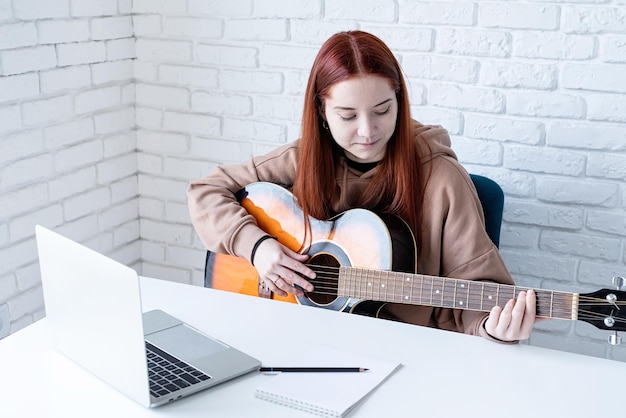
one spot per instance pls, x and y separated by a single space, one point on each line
416 289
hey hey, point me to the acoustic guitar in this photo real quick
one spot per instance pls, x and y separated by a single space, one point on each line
363 260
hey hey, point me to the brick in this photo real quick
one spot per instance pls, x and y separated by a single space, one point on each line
607 166
80 229
191 123
157 50
20 145
192 76
220 150
119 144
476 42
112 71
118 214
164 7
47 110
239 8
94 7
184 257
124 189
503 129
184 169
598 273
18 61
22 227
544 265
227 56
450 119
13 202
296 9
577 192
111 27
115 121
97 99
435 13
518 237
162 142
165 233
466 97
251 81
593 19
545 104
160 271
358 10
11 119
596 136
605 221
81 53
26 170
26 302
177 212
68 133
259 131
483 152
594 77
150 164
163 188
151 208
72 183
63 31
40 9
126 234
17 255
8 286
128 93
116 168
614 49
148 25
86 203
260 29
285 56
433 67
553 45
545 215
6 11
580 245
17 87
67 78
18 35
221 104
518 75
191 27
519 16
120 49
161 96
145 71
77 156
537 160
281 108
149 118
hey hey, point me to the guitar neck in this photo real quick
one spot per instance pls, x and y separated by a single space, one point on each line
416 289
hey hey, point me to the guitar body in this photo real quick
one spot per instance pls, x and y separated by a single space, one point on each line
355 238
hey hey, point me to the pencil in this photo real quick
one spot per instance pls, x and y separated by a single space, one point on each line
312 369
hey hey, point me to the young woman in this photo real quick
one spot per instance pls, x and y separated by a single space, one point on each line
360 149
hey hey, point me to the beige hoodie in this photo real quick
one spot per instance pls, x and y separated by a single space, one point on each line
454 242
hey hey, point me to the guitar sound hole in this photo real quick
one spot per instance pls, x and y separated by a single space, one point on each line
326 268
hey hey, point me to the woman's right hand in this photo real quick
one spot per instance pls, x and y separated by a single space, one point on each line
278 268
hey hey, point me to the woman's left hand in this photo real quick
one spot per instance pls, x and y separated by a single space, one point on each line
515 321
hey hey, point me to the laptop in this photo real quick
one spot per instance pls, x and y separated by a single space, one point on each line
94 313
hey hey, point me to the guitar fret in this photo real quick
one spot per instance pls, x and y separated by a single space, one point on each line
398 287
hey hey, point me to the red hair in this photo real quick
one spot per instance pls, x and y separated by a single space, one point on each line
397 185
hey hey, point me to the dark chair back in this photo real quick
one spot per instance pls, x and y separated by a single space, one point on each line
492 200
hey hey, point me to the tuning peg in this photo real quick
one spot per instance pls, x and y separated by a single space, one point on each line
615 339
618 282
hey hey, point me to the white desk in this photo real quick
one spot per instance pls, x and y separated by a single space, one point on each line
485 378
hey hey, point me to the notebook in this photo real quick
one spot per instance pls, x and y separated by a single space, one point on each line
94 313
326 394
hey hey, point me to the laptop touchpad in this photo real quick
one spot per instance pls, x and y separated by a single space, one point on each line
185 343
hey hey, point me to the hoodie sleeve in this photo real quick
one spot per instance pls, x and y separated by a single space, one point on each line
222 224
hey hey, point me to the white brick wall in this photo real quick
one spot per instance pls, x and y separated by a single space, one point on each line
67 141
532 94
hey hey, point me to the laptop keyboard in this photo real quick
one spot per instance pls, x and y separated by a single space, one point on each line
169 374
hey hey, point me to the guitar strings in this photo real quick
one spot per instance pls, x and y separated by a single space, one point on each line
326 283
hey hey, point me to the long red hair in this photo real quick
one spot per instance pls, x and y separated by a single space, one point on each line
397 187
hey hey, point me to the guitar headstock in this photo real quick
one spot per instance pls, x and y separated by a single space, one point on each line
605 309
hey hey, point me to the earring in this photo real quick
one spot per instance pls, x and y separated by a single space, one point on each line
325 125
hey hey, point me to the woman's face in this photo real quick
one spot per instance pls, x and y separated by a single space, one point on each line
361 113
